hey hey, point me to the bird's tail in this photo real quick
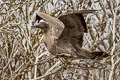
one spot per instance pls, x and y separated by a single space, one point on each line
100 55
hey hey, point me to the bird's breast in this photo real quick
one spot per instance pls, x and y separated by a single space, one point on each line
49 41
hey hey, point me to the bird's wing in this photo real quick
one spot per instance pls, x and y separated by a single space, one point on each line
74 28
53 22
79 14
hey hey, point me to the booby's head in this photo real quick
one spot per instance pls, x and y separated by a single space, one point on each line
51 26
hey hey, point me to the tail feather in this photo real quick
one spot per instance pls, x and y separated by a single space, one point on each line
100 55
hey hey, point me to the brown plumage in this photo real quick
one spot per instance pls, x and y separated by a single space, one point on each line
64 35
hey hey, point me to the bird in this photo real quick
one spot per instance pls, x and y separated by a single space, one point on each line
63 35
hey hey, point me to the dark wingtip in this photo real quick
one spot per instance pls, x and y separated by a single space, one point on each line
87 11
38 18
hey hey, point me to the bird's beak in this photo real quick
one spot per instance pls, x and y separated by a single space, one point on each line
40 25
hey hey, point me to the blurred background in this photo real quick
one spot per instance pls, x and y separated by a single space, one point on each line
21 48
